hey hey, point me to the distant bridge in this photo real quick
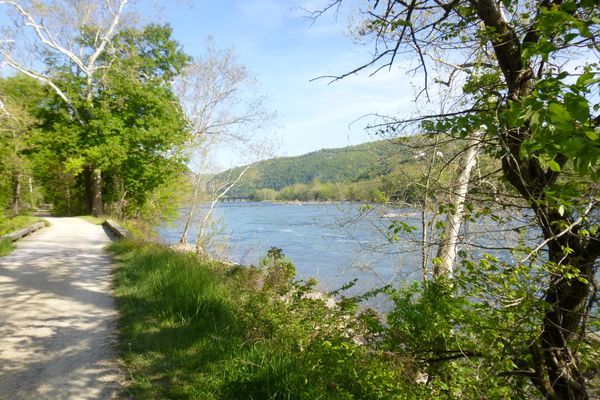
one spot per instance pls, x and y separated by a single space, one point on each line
235 198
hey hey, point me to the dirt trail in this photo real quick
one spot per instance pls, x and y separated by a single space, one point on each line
57 315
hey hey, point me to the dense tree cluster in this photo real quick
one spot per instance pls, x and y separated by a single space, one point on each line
119 142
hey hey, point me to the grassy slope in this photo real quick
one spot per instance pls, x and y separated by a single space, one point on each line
197 330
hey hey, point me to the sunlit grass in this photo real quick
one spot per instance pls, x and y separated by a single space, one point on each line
6 247
92 219
18 222
177 321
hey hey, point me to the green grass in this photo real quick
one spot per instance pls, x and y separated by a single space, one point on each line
18 222
92 219
193 329
6 247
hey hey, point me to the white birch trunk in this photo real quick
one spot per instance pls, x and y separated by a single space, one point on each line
446 254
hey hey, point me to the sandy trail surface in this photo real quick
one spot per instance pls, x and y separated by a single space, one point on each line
57 315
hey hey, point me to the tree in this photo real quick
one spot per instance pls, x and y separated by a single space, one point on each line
17 126
56 30
446 253
68 35
132 132
221 107
530 74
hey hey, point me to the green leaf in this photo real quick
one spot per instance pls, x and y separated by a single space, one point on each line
561 210
592 134
558 113
553 165
577 106
586 79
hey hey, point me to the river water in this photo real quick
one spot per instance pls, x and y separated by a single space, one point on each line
333 243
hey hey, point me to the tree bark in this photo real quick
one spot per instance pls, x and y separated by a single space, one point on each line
31 196
188 221
96 193
201 239
16 198
447 249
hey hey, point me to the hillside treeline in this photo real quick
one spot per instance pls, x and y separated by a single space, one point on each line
401 170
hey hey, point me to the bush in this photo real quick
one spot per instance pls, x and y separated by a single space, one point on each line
265 195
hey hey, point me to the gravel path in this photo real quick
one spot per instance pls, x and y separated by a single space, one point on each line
57 315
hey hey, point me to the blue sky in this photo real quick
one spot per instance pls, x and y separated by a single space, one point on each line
278 44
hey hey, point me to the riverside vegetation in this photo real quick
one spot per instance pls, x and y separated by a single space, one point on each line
196 328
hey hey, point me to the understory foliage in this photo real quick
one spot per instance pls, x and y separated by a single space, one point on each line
194 328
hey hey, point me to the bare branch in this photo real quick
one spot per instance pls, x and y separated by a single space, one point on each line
568 229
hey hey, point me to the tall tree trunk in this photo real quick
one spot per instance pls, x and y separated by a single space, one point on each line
97 204
31 196
69 201
557 374
425 222
446 253
188 221
16 197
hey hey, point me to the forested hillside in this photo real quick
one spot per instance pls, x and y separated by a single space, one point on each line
379 171
347 164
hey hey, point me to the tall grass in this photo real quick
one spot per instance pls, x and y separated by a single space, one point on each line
6 247
199 330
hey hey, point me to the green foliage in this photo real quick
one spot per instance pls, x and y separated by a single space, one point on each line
265 195
567 109
129 126
21 96
468 334
194 328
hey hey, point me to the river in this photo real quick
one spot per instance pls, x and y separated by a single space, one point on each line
333 243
